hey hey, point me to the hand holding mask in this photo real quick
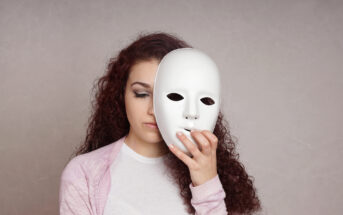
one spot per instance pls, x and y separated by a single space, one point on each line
186 95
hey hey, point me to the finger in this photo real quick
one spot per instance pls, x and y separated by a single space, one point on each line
203 141
182 156
212 138
192 148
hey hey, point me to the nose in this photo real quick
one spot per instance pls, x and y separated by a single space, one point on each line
191 111
151 108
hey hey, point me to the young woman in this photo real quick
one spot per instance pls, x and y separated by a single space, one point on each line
124 165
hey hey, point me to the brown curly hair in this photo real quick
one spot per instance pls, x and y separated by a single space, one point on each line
108 123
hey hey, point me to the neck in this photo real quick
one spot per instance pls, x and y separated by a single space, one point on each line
144 148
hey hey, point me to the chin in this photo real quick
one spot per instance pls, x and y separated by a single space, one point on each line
154 137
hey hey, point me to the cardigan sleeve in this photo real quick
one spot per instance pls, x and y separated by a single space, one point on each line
208 198
73 193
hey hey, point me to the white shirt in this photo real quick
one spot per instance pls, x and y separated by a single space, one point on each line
140 186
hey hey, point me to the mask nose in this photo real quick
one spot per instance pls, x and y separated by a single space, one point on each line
191 111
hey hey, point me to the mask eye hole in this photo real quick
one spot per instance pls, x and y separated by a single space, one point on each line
175 96
207 101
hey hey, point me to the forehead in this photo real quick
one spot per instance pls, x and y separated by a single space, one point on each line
143 71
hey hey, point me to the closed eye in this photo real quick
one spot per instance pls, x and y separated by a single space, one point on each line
141 95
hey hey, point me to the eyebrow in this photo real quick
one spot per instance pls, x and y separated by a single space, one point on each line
141 83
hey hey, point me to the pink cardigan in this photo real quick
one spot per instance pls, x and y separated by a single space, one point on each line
85 184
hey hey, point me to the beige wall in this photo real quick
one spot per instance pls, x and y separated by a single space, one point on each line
281 65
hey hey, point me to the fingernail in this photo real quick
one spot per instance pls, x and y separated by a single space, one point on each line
179 133
171 146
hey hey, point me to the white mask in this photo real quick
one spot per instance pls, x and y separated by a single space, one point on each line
187 83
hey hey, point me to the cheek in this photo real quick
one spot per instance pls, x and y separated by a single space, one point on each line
131 110
135 109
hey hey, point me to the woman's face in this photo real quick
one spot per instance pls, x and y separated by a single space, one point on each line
139 101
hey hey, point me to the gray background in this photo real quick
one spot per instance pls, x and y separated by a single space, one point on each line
282 81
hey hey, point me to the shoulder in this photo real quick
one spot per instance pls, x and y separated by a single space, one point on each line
89 164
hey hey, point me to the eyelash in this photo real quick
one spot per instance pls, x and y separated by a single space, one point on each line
137 95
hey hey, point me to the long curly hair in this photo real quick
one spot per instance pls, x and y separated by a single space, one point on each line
108 123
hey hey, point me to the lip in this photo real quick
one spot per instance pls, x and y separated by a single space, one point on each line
151 125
